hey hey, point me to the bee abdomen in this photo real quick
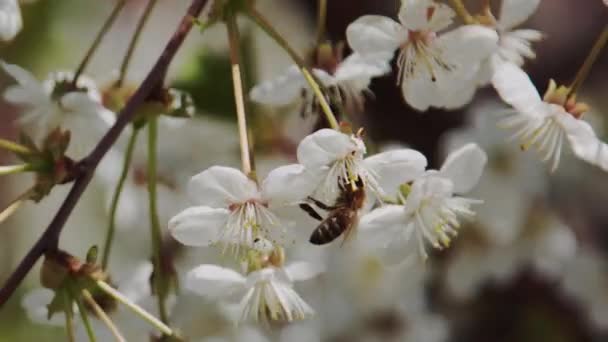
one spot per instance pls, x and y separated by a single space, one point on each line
328 230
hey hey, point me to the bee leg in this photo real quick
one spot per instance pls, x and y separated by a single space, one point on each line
320 204
307 208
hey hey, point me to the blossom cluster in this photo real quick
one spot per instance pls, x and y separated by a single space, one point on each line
329 211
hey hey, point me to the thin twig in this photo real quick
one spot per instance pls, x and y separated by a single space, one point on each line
50 238
124 66
104 29
233 39
583 72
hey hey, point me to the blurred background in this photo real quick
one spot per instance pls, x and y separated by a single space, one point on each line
533 266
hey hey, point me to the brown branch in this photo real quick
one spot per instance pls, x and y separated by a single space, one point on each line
49 240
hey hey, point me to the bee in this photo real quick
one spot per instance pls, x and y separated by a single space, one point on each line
343 215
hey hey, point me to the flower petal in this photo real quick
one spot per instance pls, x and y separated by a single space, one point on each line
280 91
288 184
515 88
357 68
23 77
213 282
583 141
300 271
10 19
323 147
468 45
198 226
515 12
220 186
396 167
375 35
464 167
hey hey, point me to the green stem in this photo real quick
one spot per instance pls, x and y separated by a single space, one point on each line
138 30
14 147
104 29
583 72
116 198
103 316
85 320
462 11
135 308
155 229
69 317
12 169
321 21
314 83
234 41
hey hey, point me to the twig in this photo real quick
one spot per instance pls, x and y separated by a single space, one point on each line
50 238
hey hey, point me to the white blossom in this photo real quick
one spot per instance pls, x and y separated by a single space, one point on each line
544 123
329 155
435 70
266 294
10 19
349 78
429 209
55 103
514 45
231 209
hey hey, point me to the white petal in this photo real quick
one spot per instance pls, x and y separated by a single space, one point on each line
515 12
585 144
515 88
468 45
10 19
288 184
396 167
357 68
220 186
300 271
23 77
464 167
198 226
414 14
372 35
214 282
280 91
323 147
386 220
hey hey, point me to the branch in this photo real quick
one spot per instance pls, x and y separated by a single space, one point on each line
49 240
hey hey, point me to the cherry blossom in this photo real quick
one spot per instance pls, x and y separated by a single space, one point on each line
266 293
435 69
428 210
231 209
543 123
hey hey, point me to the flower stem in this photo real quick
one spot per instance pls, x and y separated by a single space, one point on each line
155 230
116 198
124 66
233 39
462 11
14 147
321 21
69 317
162 327
583 72
314 83
12 169
102 315
85 320
104 29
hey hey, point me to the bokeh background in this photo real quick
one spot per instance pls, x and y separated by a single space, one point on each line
517 281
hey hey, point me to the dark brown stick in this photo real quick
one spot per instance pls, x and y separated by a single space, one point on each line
49 240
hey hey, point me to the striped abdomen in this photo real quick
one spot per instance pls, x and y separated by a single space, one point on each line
339 221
